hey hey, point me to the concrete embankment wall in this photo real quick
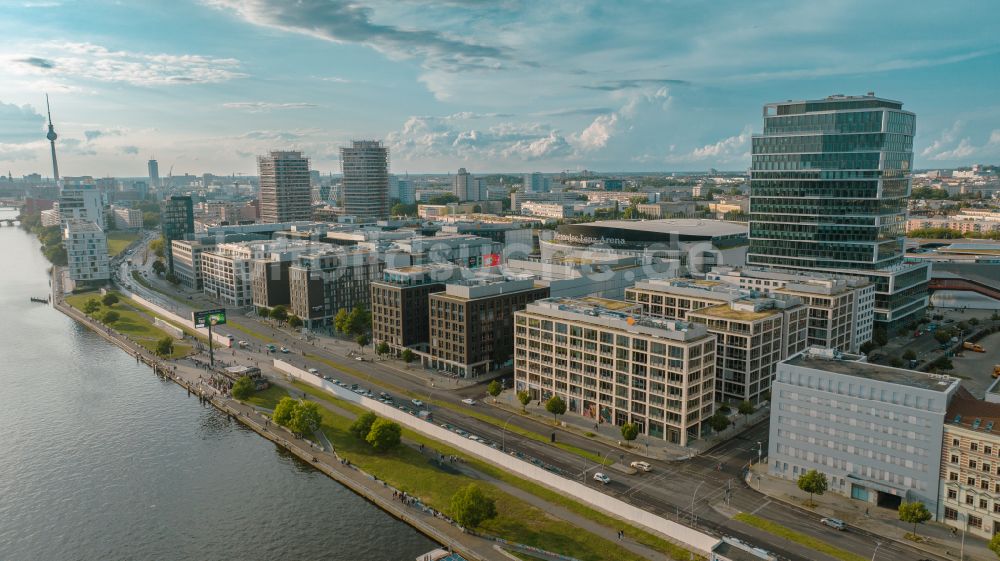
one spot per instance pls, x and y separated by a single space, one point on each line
219 338
170 328
700 542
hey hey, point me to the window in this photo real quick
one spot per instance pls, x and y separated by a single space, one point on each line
969 500
954 458
953 494
953 476
954 442
975 521
983 504
950 514
972 464
987 449
974 446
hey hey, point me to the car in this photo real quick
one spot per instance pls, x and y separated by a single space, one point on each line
335 381
244 344
359 358
602 478
271 348
417 402
835 523
284 350
313 371
469 401
327 378
642 466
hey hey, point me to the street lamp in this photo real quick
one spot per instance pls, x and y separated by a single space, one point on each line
601 464
503 433
760 451
877 545
693 495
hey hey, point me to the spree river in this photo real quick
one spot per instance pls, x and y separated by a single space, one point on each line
101 460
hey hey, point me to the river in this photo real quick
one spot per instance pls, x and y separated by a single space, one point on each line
99 459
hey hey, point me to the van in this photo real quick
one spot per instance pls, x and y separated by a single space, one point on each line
835 523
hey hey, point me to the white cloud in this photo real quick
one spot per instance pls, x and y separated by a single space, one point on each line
20 123
596 135
729 150
262 106
87 61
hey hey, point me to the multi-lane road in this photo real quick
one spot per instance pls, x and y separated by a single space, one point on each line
703 491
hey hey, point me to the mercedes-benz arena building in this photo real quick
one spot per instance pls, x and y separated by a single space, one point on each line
698 244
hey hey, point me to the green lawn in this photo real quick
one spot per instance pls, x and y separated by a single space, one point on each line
132 322
118 241
798 537
267 398
642 536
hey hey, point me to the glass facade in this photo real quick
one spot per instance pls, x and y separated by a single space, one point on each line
828 190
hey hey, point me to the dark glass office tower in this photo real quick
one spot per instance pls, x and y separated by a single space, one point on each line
828 189
176 223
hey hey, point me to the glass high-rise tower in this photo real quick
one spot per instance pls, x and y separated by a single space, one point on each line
828 188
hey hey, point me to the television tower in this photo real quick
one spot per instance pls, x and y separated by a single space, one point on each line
52 136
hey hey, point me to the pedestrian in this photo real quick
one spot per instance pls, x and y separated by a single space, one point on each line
866 513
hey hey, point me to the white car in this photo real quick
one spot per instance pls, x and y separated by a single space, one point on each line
469 401
417 402
642 466
602 478
313 371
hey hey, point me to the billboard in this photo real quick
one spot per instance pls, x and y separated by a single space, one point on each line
203 318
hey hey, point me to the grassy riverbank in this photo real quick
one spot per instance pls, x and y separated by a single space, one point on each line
132 322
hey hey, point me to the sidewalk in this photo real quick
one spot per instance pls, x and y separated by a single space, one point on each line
611 435
880 521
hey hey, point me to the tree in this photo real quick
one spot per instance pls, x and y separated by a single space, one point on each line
814 483
442 199
173 279
157 247
159 267
362 425
909 354
279 313
867 347
400 209
994 544
359 321
109 299
91 306
294 321
745 409
284 410
341 321
408 356
164 346
382 348
243 388
263 312
630 431
305 418
556 406
914 513
362 340
880 337
494 389
718 421
895 362
525 398
110 317
384 435
470 507
974 321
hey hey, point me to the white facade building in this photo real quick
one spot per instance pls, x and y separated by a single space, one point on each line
80 199
86 251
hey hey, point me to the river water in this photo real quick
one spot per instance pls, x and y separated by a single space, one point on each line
101 460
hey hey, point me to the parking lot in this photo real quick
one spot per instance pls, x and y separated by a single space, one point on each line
976 369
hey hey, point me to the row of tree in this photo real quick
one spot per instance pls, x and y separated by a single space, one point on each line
381 434
280 314
297 415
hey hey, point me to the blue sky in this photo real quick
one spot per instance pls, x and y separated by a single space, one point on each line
501 85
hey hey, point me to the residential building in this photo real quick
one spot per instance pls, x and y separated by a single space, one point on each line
285 187
86 252
399 304
407 192
154 173
365 191
874 431
547 210
462 250
227 268
674 298
753 335
970 466
667 209
841 307
558 197
270 278
80 199
961 222
127 218
176 223
604 274
829 183
610 364
536 183
51 217
472 322
323 283
466 187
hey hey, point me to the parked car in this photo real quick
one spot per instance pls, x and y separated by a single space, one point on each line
313 371
835 523
284 350
642 466
417 402
469 401
602 478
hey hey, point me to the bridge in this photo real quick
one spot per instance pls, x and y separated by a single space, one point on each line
9 222
959 283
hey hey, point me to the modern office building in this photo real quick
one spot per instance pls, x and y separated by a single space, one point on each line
285 187
674 298
970 466
472 322
841 307
176 223
829 183
611 364
536 183
459 249
323 283
399 304
80 199
86 252
466 187
365 192
270 277
187 261
874 431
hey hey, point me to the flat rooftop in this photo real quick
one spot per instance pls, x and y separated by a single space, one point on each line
726 311
690 226
851 365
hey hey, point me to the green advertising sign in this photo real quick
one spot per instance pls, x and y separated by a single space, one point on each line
204 318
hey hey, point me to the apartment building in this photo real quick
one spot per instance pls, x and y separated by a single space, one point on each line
86 251
874 431
611 364
365 184
81 199
459 249
970 466
753 335
323 283
472 322
127 218
269 277
841 307
399 304
285 189
673 298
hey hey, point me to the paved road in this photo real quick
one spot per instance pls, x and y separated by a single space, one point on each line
693 491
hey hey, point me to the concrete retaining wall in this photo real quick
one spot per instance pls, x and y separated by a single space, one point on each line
700 542
170 328
203 331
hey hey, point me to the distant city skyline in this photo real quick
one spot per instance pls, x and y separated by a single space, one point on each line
508 86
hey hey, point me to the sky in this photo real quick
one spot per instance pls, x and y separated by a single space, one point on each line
489 85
